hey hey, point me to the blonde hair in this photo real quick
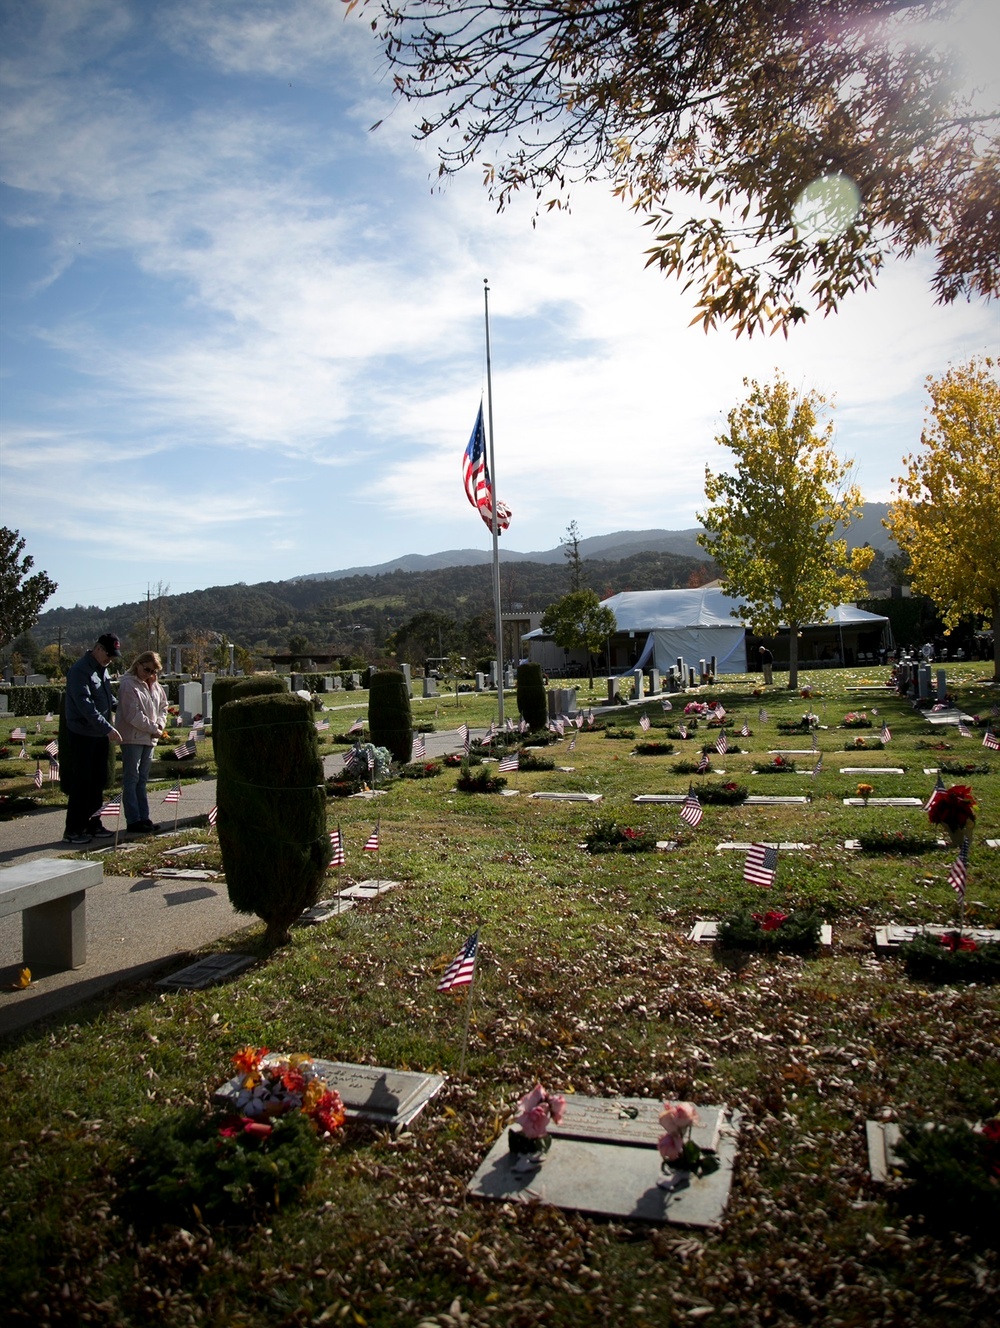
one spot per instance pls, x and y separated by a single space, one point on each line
147 657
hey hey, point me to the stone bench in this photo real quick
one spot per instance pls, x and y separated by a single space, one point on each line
51 896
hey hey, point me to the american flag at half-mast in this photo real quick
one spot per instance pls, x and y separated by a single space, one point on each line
476 474
644 722
991 740
509 763
761 865
722 743
419 748
371 843
691 810
462 968
174 794
959 873
337 854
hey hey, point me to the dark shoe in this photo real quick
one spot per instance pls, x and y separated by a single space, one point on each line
137 828
101 833
81 838
149 827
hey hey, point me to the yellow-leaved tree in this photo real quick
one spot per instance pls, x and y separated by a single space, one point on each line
772 527
946 513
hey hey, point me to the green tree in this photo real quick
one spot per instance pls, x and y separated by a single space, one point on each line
571 552
772 527
809 141
579 622
427 635
944 517
21 595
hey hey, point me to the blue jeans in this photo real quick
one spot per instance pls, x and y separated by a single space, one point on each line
135 772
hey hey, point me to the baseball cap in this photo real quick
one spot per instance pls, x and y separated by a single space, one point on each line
111 644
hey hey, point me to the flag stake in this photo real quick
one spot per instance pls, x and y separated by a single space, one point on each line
495 525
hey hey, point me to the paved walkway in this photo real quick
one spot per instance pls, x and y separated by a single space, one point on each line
135 926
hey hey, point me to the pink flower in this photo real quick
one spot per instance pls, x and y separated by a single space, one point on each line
678 1116
670 1147
536 1109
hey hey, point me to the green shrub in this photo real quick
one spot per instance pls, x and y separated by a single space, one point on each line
272 809
225 690
35 700
482 780
607 836
729 794
390 720
531 703
529 761
895 841
654 748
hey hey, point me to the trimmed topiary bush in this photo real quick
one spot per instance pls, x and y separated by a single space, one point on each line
272 808
390 720
531 702
233 689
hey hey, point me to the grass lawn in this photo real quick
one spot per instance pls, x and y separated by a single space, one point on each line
585 981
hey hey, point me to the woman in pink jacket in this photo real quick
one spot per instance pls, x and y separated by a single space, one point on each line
141 715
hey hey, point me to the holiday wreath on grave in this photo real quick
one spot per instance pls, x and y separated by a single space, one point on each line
781 765
861 744
420 770
529 761
954 1176
895 841
798 931
965 768
952 957
626 735
607 836
654 747
456 760
481 780
729 794
230 1165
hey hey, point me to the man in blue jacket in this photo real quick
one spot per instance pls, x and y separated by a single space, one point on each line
89 731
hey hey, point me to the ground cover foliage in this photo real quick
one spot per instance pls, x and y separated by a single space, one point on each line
585 981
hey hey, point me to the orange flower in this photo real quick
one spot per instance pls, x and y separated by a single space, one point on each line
247 1060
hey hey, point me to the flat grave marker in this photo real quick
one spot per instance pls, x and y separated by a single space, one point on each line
889 938
323 911
604 1160
391 1098
567 797
768 843
207 971
367 889
771 800
883 802
706 932
872 770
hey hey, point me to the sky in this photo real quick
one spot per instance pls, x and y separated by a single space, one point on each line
242 333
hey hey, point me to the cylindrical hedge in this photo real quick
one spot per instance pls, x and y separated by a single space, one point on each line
390 719
232 689
531 702
272 808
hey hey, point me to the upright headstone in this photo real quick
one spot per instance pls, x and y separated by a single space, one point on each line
356 679
639 690
298 683
691 677
942 685
480 682
654 681
409 680
493 674
36 680
612 690
714 665
207 681
701 668
3 703
924 682
189 701
430 687
508 678
338 683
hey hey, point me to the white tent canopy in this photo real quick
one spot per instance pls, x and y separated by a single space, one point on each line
697 623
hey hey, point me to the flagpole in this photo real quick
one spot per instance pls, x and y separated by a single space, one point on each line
468 1017
496 523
